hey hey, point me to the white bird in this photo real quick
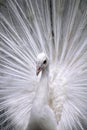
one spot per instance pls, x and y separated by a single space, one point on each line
52 35
42 116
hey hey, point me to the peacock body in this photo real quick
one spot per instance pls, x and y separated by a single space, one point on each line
59 29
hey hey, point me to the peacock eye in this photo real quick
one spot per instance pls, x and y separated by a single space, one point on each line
44 62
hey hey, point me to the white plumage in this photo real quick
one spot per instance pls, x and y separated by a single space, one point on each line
59 29
42 117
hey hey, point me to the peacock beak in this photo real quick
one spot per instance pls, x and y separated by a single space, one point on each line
38 69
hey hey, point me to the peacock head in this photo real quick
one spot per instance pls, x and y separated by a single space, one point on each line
41 63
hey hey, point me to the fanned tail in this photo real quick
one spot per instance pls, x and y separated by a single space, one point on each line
58 28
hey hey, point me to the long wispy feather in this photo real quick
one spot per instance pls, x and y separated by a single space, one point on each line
58 28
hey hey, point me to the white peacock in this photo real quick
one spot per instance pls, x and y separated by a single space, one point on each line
47 38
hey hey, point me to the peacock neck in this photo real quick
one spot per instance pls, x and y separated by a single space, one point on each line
42 92
45 74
